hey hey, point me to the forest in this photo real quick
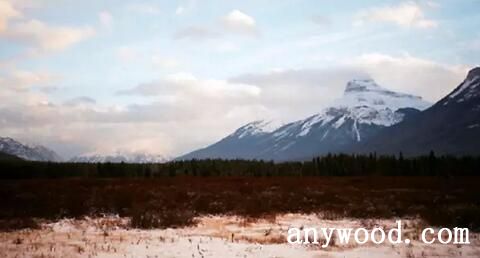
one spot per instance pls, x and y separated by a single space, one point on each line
328 165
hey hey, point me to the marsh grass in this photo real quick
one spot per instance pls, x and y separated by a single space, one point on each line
176 201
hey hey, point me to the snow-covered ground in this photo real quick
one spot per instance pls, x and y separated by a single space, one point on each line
226 236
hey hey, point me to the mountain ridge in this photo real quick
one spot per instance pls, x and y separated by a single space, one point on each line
449 127
27 152
120 157
363 110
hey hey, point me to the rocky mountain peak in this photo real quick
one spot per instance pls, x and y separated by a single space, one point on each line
475 72
361 85
27 152
467 90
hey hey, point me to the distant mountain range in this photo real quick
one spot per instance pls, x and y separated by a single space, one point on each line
11 149
120 157
27 152
363 111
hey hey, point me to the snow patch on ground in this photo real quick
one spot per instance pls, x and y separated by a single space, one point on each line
213 236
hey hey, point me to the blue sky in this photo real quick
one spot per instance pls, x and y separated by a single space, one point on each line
170 76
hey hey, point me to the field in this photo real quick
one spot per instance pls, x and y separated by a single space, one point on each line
186 216
176 201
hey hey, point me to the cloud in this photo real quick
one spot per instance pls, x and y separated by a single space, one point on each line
186 7
106 19
181 104
295 93
406 73
184 112
45 37
309 78
22 80
408 14
80 101
239 22
195 33
37 35
235 22
182 86
7 12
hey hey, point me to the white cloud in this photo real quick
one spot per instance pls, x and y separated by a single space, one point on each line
234 22
80 101
408 14
22 80
237 21
44 37
106 19
178 119
406 73
186 7
186 86
7 12
39 36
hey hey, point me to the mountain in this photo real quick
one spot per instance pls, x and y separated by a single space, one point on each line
120 157
8 157
451 126
243 143
364 109
27 152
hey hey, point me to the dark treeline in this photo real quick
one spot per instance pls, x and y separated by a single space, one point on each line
329 165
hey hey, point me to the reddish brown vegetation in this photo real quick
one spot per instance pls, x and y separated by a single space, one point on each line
173 202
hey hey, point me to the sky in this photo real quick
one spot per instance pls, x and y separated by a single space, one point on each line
168 77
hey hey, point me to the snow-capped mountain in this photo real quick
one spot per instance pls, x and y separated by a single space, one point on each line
27 152
256 128
120 157
364 109
467 91
451 126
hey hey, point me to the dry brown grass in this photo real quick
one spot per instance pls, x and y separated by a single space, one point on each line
175 202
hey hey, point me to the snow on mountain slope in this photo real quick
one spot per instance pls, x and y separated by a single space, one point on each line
467 90
363 102
367 102
449 127
27 152
258 127
363 110
119 157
